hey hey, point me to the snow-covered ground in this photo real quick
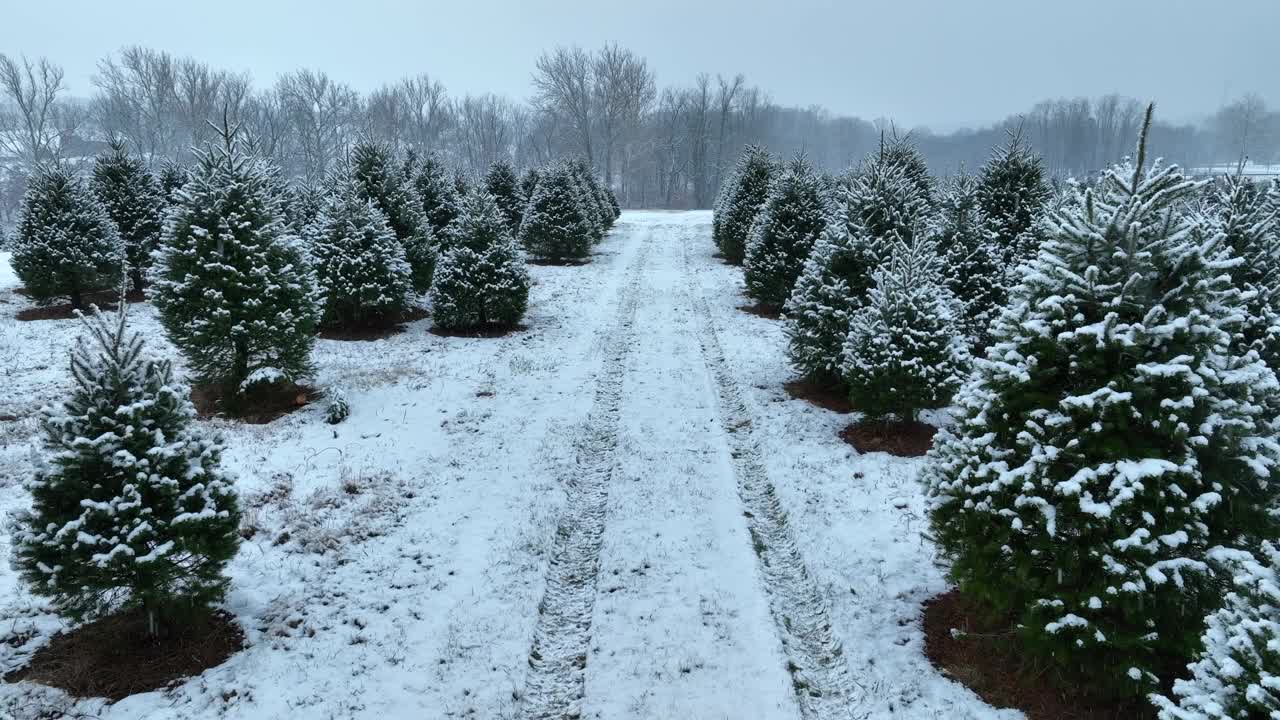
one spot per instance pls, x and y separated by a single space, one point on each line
625 481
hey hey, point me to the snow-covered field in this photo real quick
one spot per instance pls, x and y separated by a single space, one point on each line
624 482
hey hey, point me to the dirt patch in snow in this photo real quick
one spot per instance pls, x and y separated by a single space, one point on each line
488 331
828 397
984 655
104 299
560 262
904 439
260 408
768 312
114 658
377 329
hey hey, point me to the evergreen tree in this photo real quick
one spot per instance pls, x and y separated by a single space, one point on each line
905 351
132 199
588 201
1249 219
66 244
301 203
1110 438
1237 673
878 209
129 507
1011 198
360 266
502 184
792 219
437 192
902 151
375 178
754 176
555 226
461 186
232 286
728 186
171 178
613 202
482 279
973 272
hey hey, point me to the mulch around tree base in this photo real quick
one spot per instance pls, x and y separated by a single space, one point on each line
105 300
826 396
904 439
562 262
986 658
375 330
490 331
114 658
769 312
259 409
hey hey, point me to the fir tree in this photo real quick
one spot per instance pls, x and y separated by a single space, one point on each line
973 272
1249 219
902 151
1011 198
502 184
1237 673
437 192
171 178
555 226
728 186
754 176
588 201
132 199
129 506
66 244
904 351
373 171
482 279
232 286
359 264
792 219
1110 437
878 209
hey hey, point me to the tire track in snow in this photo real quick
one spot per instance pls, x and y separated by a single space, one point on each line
819 671
554 685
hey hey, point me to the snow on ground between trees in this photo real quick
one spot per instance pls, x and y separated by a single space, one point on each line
393 564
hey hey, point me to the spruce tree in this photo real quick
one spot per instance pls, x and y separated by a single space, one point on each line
129 507
1012 195
721 205
171 178
1248 216
973 272
902 151
792 219
1236 674
132 199
232 286
359 264
754 176
905 351
1110 438
877 209
555 226
66 244
375 177
588 201
482 279
437 192
501 182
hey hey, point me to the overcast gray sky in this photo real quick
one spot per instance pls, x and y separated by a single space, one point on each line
940 63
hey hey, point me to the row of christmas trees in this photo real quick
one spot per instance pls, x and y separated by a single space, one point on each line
1110 481
130 510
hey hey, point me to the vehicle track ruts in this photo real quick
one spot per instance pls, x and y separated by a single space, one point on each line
819 671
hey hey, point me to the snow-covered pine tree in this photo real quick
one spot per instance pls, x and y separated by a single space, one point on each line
1110 437
754 176
877 209
501 182
132 199
66 244
172 177
588 201
905 351
303 202
482 280
972 271
555 226
1237 670
792 219
612 197
359 264
129 507
374 173
902 151
1248 216
1012 194
461 186
721 205
437 192
232 286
